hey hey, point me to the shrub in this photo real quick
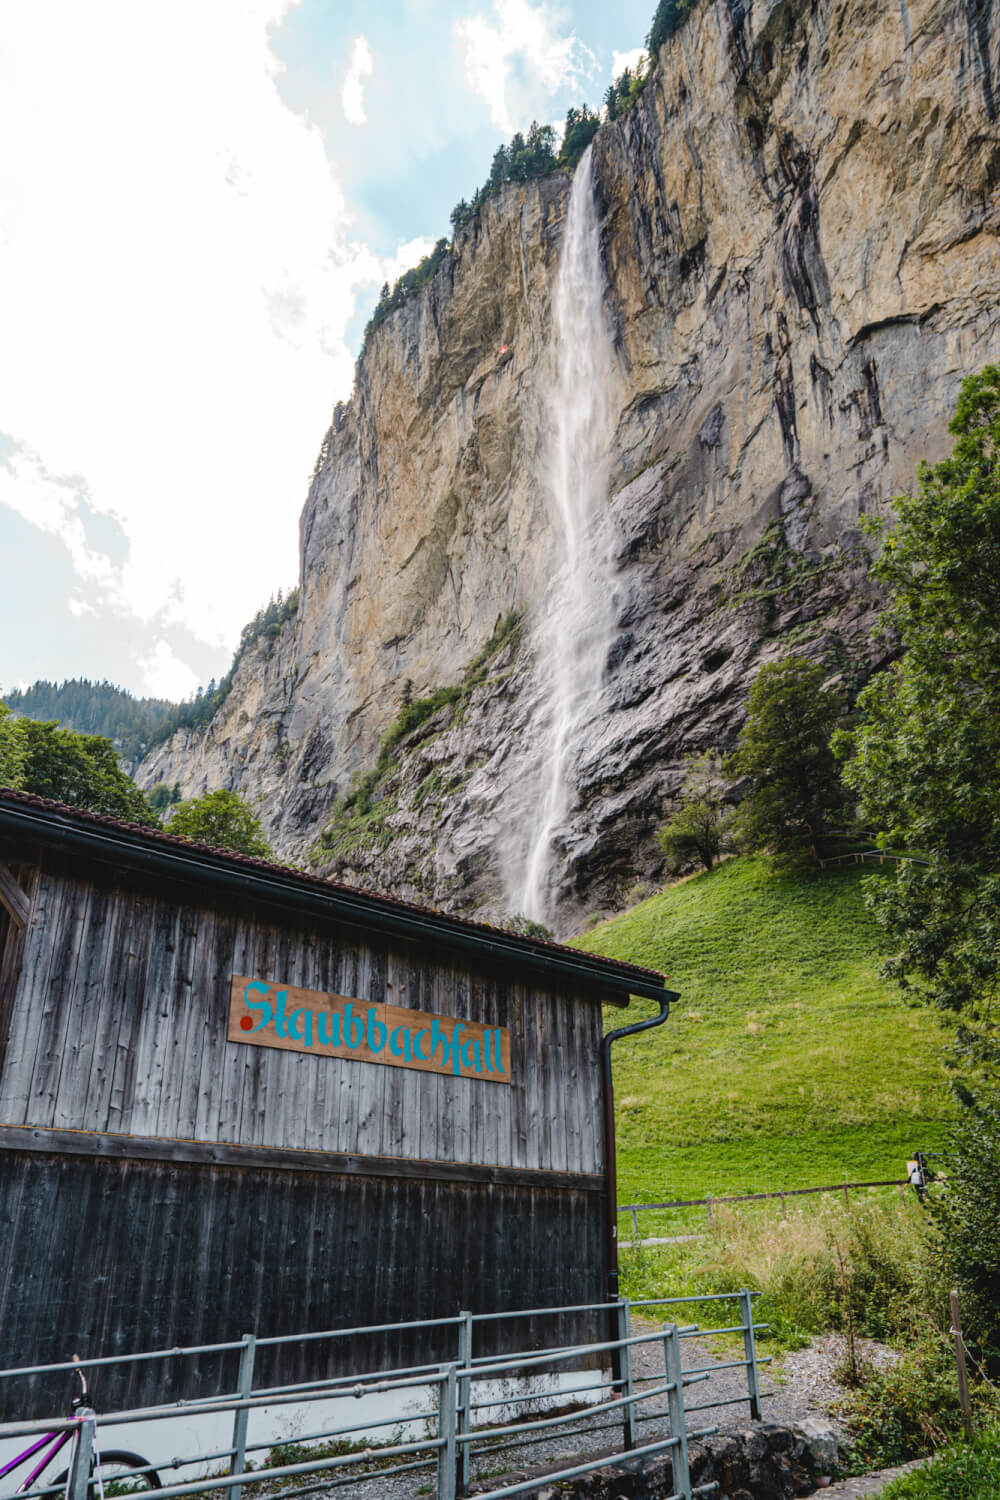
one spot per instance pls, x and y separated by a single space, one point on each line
223 819
700 828
969 1471
904 1411
965 1215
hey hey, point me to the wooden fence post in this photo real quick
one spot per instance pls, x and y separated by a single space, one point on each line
963 1376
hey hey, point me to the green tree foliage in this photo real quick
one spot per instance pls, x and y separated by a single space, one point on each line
81 769
202 708
622 94
966 1212
533 155
224 819
926 761
11 750
700 828
135 725
793 795
96 708
668 18
411 281
581 126
161 796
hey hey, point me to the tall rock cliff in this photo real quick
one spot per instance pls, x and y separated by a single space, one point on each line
800 240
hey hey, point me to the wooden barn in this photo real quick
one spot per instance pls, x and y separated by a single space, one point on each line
235 1097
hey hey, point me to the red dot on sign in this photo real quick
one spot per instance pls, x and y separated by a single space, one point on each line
246 1023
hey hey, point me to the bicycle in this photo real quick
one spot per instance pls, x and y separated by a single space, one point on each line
116 1472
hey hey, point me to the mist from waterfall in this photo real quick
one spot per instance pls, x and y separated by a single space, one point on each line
574 626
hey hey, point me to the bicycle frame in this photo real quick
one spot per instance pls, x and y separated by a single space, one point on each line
54 1441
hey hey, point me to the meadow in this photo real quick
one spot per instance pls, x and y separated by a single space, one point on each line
788 1061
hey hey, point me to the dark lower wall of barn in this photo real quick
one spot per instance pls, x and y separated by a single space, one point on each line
105 1257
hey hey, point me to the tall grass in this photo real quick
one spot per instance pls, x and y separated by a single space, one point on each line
818 1268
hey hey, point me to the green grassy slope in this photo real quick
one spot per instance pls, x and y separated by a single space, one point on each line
787 1062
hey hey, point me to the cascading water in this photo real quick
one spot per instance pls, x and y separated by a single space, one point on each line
574 630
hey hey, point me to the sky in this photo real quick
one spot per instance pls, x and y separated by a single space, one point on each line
198 206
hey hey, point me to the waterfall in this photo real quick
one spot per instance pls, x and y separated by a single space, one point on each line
574 629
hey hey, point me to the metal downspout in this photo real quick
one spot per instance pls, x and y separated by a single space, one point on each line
610 1163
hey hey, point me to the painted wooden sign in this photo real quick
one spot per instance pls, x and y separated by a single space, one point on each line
297 1020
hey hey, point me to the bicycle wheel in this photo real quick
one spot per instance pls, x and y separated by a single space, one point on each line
117 1477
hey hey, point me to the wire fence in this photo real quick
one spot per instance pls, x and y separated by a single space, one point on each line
711 1203
456 1426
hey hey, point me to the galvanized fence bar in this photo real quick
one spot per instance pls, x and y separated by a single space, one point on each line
598 1410
464 1400
451 1450
578 1469
83 1453
193 1409
242 1416
284 1471
447 1414
750 1349
624 1334
675 1406
342 1333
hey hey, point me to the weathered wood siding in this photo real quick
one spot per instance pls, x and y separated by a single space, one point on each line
105 1256
118 1022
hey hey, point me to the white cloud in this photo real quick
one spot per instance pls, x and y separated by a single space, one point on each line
52 504
517 58
622 60
362 65
177 271
165 675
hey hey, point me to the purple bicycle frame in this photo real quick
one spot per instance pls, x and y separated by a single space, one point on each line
58 1441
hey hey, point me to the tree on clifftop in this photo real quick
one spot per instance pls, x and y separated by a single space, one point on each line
224 819
668 17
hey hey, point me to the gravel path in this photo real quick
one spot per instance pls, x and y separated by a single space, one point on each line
807 1385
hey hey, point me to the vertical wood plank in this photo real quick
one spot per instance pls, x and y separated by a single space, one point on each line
44 998
129 998
70 1101
214 1005
23 1019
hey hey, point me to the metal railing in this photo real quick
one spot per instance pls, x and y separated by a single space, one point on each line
449 1450
710 1202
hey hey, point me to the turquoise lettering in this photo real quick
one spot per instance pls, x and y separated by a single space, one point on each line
262 1005
401 1048
328 1026
306 1034
375 1028
354 1029
279 1012
472 1055
456 1047
495 1043
438 1039
416 1045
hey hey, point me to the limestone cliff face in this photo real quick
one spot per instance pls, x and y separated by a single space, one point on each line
800 235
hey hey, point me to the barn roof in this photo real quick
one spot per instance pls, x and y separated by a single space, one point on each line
108 839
